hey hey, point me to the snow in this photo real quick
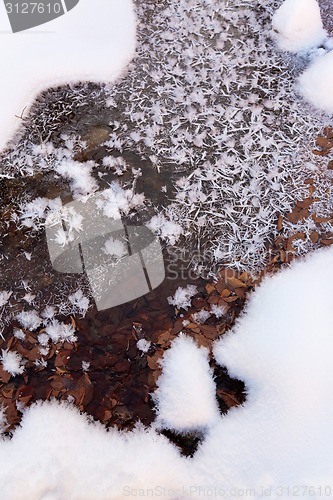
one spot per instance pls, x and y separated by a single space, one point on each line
218 311
82 183
315 84
115 248
4 297
192 109
201 316
58 331
143 345
281 346
182 297
119 200
79 301
186 393
89 43
58 454
12 362
168 230
298 25
30 320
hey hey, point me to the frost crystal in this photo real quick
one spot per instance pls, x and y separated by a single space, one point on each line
182 297
29 319
218 311
143 345
79 301
115 248
201 317
60 332
12 362
4 297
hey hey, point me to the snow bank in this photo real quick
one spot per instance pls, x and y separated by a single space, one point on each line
58 455
281 437
93 42
316 83
186 394
282 348
298 25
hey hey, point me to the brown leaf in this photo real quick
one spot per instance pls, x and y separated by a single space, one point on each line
314 236
280 223
231 299
294 216
244 277
62 359
306 203
12 414
153 365
324 142
11 342
86 387
283 255
56 382
317 152
7 392
210 288
202 341
241 292
321 220
229 399
24 394
223 303
220 285
164 337
328 132
4 375
213 299
209 331
235 283
194 327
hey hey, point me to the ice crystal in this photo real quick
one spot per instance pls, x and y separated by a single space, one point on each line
12 362
30 320
143 345
182 297
79 301
115 248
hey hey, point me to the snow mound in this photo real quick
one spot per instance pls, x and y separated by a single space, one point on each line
298 25
315 84
186 394
282 348
61 455
93 42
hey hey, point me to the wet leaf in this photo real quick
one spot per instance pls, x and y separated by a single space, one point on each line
235 283
4 375
280 223
152 363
